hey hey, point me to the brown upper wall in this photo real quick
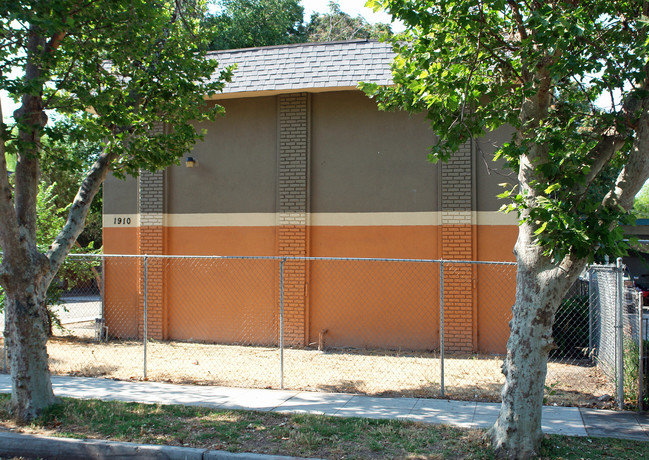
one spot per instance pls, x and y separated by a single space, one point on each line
362 160
490 174
365 160
120 196
237 163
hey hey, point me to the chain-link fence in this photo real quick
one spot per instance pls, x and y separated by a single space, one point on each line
609 326
425 328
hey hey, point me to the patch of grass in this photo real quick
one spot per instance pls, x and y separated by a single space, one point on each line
568 448
294 435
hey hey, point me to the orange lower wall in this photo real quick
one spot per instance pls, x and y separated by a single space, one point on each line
225 301
358 303
121 282
221 241
496 242
120 240
496 286
414 242
370 304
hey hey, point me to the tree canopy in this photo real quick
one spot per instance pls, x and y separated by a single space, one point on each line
336 25
570 79
132 76
251 23
473 67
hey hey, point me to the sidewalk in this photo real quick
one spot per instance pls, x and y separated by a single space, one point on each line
569 421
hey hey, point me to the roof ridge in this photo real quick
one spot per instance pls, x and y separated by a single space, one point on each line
292 45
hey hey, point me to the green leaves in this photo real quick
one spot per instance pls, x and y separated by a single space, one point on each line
337 25
641 203
130 80
120 70
552 188
251 23
543 69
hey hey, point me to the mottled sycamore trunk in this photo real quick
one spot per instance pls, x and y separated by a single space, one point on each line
26 338
541 286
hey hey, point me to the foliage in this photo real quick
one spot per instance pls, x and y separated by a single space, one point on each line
631 363
250 23
65 160
641 203
133 78
253 23
337 25
134 74
570 330
538 67
540 70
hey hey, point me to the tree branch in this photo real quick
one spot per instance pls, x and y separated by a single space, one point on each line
55 41
600 156
31 119
636 170
520 24
9 235
79 211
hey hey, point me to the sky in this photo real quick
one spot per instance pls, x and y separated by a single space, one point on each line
351 7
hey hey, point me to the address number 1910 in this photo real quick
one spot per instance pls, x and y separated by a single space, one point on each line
122 221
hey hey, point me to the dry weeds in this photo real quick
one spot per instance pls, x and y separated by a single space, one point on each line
385 373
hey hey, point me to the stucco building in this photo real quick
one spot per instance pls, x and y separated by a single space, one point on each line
304 164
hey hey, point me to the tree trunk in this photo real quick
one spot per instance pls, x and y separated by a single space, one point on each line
540 289
26 337
517 432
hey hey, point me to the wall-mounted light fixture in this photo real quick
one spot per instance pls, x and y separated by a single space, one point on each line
190 162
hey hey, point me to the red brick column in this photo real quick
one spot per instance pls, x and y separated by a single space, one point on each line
151 242
292 239
457 244
293 203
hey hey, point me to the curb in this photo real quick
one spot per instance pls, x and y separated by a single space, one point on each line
33 446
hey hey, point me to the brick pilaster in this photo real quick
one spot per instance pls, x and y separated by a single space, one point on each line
457 244
150 242
293 204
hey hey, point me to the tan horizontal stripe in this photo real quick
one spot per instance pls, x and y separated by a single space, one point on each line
318 219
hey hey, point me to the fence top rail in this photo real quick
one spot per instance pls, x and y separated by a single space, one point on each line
601 267
285 258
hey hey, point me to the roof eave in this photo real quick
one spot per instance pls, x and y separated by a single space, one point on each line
275 92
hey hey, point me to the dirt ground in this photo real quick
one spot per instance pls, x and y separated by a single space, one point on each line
384 372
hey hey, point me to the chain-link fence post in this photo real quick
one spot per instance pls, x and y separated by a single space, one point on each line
619 333
281 323
144 331
640 355
441 325
103 291
4 340
591 313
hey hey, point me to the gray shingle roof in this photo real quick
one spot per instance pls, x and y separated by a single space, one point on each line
307 66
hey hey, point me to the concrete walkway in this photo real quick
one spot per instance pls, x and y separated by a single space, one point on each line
568 421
